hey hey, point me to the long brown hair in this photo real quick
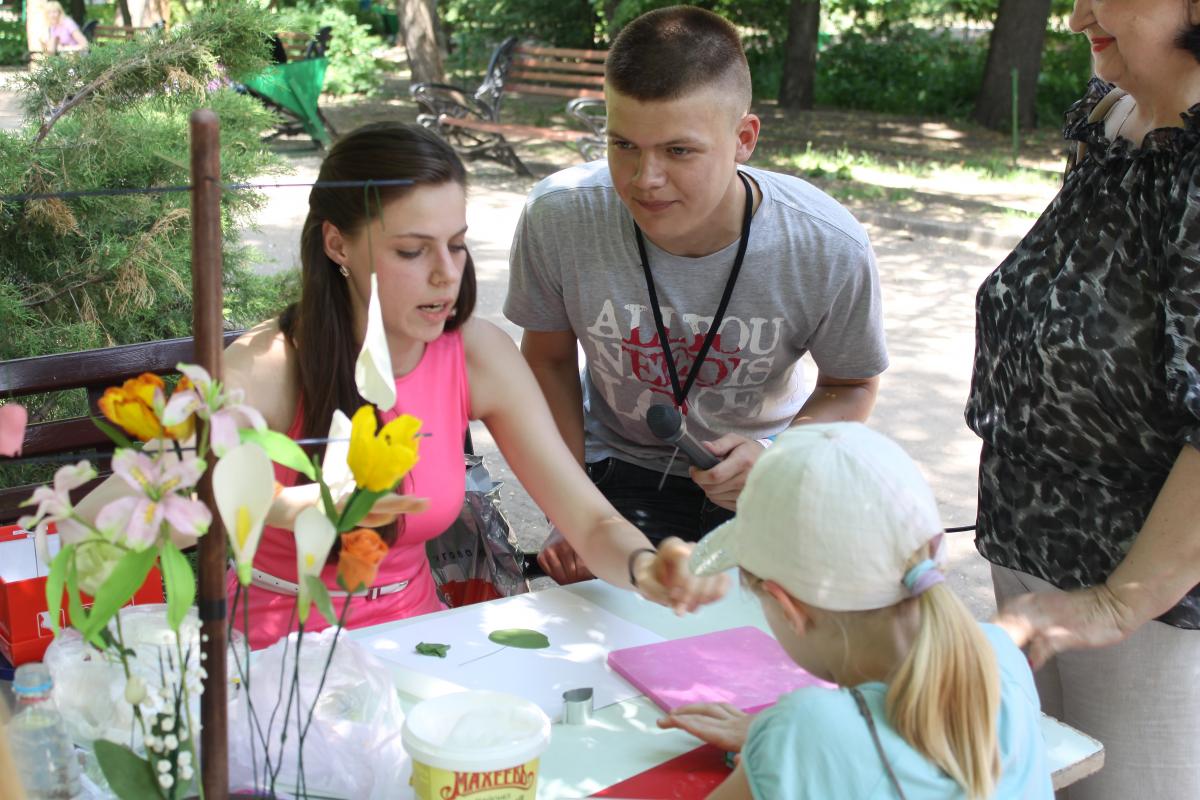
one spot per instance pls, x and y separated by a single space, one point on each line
320 327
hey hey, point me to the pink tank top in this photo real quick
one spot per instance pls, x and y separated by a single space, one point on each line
436 392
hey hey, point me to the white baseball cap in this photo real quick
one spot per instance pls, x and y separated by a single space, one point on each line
834 513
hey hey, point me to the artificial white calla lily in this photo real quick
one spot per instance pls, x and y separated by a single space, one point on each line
373 370
243 484
335 466
315 536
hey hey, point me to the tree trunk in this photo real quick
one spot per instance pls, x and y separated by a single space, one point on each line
123 11
800 57
418 27
1017 39
78 11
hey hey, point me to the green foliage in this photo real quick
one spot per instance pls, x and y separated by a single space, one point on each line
475 27
907 70
352 67
1066 67
97 271
12 42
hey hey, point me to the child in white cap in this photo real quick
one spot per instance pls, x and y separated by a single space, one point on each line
838 534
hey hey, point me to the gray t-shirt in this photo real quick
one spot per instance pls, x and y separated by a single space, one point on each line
808 284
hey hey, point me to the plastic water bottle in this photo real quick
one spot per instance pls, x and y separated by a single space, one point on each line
42 749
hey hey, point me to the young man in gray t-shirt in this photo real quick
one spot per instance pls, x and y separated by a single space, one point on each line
673 196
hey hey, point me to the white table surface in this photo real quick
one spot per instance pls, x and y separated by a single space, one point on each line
622 739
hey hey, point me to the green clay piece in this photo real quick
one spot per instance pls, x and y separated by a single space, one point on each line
520 637
432 649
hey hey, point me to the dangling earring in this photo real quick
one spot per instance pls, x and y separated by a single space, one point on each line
342 268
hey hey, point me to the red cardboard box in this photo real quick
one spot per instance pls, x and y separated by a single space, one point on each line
24 617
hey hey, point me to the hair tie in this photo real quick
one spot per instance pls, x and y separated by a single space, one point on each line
925 574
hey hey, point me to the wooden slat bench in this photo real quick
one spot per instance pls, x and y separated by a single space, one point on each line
471 122
93 371
102 34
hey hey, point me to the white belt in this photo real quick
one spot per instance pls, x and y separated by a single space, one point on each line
264 580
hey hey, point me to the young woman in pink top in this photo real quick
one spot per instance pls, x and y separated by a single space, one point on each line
449 369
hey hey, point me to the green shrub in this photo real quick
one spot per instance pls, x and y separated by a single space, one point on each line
12 42
475 27
1066 67
352 67
908 70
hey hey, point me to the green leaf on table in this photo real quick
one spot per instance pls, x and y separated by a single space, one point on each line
129 777
320 596
116 434
361 503
179 582
55 582
126 578
432 649
281 449
520 637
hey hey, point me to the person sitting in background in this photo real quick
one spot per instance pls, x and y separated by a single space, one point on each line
62 34
838 535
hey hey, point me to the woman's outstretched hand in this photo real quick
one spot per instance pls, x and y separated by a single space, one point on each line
668 580
719 724
1046 623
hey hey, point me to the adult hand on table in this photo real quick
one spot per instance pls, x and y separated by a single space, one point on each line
719 724
1046 623
560 561
724 482
667 578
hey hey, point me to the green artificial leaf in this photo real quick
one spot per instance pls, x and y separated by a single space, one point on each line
75 610
129 777
126 578
326 495
281 449
320 596
361 503
179 582
116 434
432 649
520 637
55 582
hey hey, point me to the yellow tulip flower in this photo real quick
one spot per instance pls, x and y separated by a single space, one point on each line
379 462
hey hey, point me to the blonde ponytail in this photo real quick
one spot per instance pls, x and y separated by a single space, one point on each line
945 698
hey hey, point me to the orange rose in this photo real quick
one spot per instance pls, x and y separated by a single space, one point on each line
358 561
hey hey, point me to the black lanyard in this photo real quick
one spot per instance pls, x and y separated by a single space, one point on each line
681 393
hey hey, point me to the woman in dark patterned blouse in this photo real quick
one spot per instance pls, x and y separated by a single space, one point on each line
1086 393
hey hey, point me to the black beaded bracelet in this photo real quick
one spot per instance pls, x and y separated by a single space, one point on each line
634 555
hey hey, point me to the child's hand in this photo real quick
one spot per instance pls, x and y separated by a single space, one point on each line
719 724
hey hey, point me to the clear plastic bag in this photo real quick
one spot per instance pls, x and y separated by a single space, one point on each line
89 685
352 748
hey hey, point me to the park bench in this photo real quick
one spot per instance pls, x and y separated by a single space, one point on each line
96 33
91 370
291 87
472 123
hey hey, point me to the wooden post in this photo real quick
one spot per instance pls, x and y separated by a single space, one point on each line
207 331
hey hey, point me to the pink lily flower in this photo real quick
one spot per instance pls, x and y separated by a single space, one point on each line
54 503
208 399
159 499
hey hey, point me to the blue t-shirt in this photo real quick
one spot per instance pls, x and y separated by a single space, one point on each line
815 744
